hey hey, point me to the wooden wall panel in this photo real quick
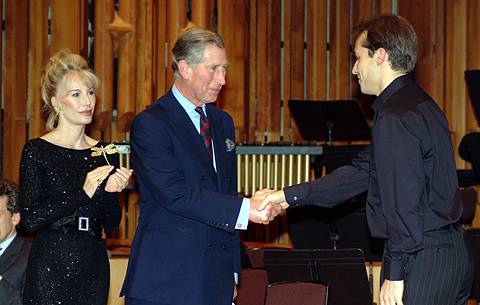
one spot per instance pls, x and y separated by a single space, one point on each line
103 67
455 94
232 25
202 12
37 58
438 71
473 56
317 50
176 21
160 49
68 26
127 70
145 56
339 50
383 6
252 69
422 19
297 47
273 61
290 130
261 89
15 81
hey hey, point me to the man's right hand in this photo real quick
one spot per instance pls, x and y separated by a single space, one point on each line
263 213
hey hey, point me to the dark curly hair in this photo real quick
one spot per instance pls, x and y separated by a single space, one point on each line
9 189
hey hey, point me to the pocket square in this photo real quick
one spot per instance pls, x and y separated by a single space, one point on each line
230 145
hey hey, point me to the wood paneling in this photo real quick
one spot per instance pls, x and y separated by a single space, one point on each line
438 72
37 58
473 57
252 72
339 50
290 130
160 49
317 50
145 56
297 48
103 67
15 94
202 12
176 21
455 64
68 26
233 98
422 19
127 69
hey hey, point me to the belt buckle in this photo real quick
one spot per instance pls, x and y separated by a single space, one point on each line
83 224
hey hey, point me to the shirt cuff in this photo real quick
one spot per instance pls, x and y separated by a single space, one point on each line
235 278
393 266
242 220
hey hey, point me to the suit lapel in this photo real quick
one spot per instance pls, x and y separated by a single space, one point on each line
8 257
189 135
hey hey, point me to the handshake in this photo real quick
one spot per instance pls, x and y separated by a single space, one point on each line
266 204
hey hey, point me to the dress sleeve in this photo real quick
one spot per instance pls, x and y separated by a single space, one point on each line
109 202
38 208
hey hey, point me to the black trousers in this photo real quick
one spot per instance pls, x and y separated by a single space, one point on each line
441 273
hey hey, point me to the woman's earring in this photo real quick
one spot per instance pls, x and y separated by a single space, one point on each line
57 109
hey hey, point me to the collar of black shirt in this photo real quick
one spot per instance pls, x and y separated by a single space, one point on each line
393 87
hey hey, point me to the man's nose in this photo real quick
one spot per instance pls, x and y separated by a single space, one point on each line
354 69
220 77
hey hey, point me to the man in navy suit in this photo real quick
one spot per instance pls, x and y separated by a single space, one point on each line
13 249
186 249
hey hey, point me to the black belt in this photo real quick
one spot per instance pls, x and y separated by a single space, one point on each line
71 224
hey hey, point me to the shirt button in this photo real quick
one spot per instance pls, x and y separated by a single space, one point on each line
295 198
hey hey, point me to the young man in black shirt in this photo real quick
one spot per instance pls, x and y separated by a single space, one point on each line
413 201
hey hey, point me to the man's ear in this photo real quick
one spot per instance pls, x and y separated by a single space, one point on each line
16 218
382 56
183 69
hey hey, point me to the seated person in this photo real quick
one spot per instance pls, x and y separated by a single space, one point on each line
13 249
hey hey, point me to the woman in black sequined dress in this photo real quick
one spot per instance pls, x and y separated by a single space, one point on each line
69 186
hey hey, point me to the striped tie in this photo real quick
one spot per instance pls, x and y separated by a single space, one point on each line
205 131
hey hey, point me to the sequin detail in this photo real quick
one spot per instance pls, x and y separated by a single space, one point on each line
73 268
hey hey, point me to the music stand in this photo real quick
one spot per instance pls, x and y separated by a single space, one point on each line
345 225
328 121
342 270
469 148
472 77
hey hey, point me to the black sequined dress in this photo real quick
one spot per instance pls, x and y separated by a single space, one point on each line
66 266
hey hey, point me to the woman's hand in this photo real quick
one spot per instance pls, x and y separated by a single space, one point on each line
118 180
95 178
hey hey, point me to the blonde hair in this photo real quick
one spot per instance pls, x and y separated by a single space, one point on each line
59 65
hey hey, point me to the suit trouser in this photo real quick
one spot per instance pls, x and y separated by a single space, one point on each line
133 301
442 272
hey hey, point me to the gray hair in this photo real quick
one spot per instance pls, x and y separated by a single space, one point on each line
190 45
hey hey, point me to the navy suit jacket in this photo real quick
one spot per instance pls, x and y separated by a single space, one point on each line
186 247
13 264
